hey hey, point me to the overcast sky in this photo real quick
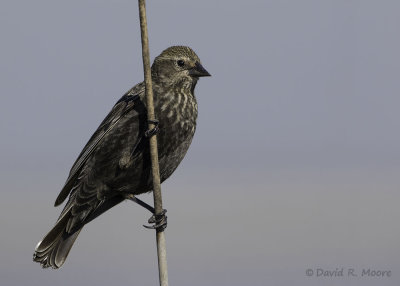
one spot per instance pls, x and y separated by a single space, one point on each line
295 164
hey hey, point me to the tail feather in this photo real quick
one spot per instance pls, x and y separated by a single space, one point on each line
55 246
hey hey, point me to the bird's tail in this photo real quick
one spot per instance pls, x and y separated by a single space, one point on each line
53 249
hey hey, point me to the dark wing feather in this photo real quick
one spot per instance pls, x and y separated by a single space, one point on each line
122 107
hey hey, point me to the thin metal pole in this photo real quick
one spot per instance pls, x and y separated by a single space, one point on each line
160 237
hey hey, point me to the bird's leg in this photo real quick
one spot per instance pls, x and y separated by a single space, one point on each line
140 202
159 220
152 131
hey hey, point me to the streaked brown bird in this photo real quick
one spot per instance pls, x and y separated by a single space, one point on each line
115 164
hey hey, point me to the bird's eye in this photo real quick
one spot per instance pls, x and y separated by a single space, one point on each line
180 63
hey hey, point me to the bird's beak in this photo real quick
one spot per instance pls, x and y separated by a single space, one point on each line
198 71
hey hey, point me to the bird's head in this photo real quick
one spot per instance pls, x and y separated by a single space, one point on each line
178 65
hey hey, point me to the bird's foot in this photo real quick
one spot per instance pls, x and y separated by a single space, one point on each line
149 133
159 220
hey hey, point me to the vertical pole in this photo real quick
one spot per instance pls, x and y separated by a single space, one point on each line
160 237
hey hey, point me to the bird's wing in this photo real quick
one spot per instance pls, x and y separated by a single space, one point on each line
122 107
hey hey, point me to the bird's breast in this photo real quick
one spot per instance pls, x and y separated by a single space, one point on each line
177 114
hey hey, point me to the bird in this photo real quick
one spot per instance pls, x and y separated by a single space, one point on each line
115 164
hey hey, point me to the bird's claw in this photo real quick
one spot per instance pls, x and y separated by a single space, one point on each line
149 133
159 220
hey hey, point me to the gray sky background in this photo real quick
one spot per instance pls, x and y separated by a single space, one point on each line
295 163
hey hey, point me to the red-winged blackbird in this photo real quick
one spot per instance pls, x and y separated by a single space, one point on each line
115 163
